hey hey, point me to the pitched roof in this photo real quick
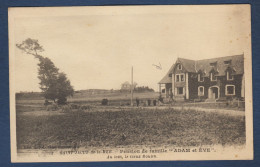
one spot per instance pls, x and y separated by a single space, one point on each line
166 78
236 63
189 65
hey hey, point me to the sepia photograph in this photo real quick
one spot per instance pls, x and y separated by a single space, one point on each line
130 83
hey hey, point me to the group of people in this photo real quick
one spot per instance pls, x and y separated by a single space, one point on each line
154 101
148 102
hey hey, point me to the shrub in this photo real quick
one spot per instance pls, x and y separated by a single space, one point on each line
46 103
74 106
66 108
62 100
85 107
53 107
104 102
80 110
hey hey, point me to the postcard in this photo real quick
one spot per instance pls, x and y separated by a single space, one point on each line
130 83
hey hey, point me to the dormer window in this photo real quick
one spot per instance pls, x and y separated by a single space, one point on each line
179 66
213 77
229 76
227 62
200 78
213 64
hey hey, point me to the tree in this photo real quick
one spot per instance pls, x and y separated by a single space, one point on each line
64 88
54 85
48 75
143 89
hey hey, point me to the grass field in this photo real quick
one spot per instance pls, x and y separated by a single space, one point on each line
110 127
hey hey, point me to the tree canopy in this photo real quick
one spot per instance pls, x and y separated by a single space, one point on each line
54 84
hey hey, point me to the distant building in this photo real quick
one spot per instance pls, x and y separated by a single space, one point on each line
205 79
126 86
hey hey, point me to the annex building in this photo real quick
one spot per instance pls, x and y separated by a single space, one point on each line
217 78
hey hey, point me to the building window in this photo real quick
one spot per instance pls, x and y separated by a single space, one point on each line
200 78
229 76
230 90
182 78
201 91
179 67
179 78
170 75
213 64
213 77
180 90
163 90
227 62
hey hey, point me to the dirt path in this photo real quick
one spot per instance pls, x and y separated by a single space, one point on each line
220 111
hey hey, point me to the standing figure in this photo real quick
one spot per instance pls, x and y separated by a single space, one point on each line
137 102
149 102
171 96
154 102
160 99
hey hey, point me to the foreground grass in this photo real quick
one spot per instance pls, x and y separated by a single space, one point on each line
129 127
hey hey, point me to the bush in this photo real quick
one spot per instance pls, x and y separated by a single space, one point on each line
74 106
80 110
46 103
85 107
143 89
66 108
104 102
62 100
53 107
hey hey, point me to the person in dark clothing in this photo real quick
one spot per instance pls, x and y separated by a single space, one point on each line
154 102
149 102
137 102
160 99
171 96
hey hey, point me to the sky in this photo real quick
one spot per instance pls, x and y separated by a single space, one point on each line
97 46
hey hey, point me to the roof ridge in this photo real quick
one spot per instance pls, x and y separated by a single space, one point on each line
221 57
186 59
212 58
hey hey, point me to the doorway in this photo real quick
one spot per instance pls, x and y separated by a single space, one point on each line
213 92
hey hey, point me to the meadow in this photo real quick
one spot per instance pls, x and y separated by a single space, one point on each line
115 126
